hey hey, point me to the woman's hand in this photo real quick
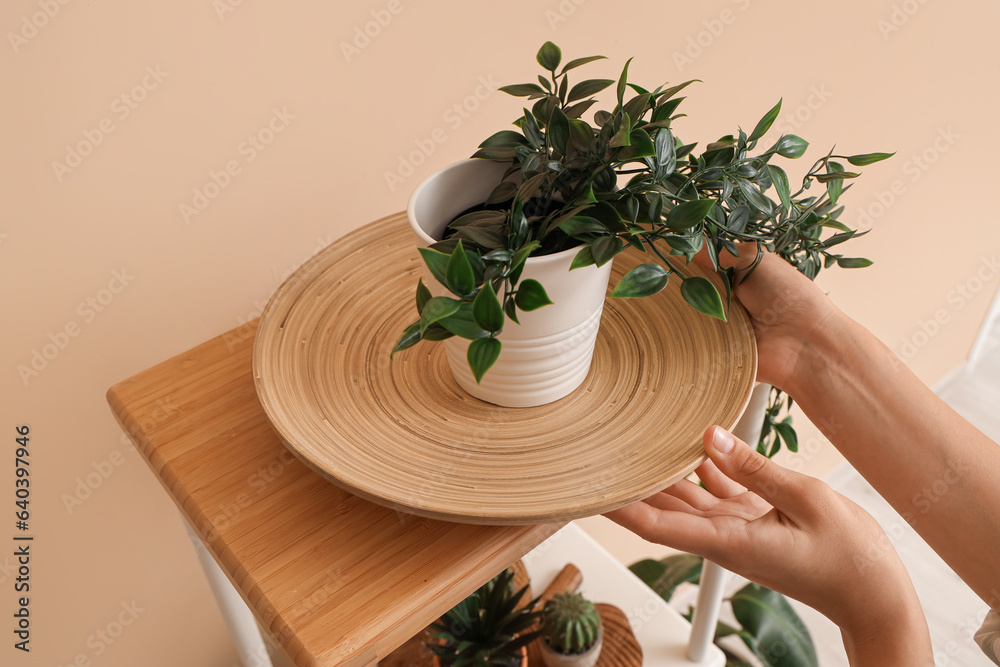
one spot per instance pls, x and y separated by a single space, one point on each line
788 311
794 534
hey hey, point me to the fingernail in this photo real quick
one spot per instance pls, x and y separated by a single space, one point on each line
722 440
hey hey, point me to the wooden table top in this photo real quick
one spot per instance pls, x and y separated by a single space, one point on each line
335 580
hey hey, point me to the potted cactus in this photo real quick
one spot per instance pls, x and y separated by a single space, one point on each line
518 242
572 633
488 628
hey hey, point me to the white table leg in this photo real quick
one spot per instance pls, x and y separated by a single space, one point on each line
706 611
241 621
713 578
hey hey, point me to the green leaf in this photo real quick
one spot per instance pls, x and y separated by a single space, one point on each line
788 434
462 323
502 192
666 155
423 296
636 107
604 249
504 138
643 280
436 332
835 176
757 198
510 308
531 295
868 158
578 109
667 93
738 218
622 81
587 87
690 213
780 638
703 297
791 146
479 218
583 258
436 309
622 136
498 153
576 62
523 89
486 237
461 278
483 353
558 129
764 124
582 224
581 136
410 337
853 262
549 56
520 257
664 576
780 180
487 311
834 187
837 239
437 262
640 145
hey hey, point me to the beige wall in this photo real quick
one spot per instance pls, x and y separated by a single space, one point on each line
925 90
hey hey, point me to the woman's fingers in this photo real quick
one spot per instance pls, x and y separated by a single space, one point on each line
692 494
781 488
675 529
720 485
669 502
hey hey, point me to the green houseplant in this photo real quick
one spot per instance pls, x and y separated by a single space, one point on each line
625 180
768 625
571 631
487 628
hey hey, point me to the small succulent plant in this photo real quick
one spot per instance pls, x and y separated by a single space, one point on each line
571 623
487 628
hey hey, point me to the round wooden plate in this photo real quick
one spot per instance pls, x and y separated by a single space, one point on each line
403 434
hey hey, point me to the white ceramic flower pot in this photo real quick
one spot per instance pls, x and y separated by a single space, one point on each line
548 355
588 658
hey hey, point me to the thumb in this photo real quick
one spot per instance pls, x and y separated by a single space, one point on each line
782 489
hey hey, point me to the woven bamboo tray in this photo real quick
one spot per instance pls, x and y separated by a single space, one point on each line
403 434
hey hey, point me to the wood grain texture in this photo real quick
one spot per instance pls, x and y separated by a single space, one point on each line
402 433
334 579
